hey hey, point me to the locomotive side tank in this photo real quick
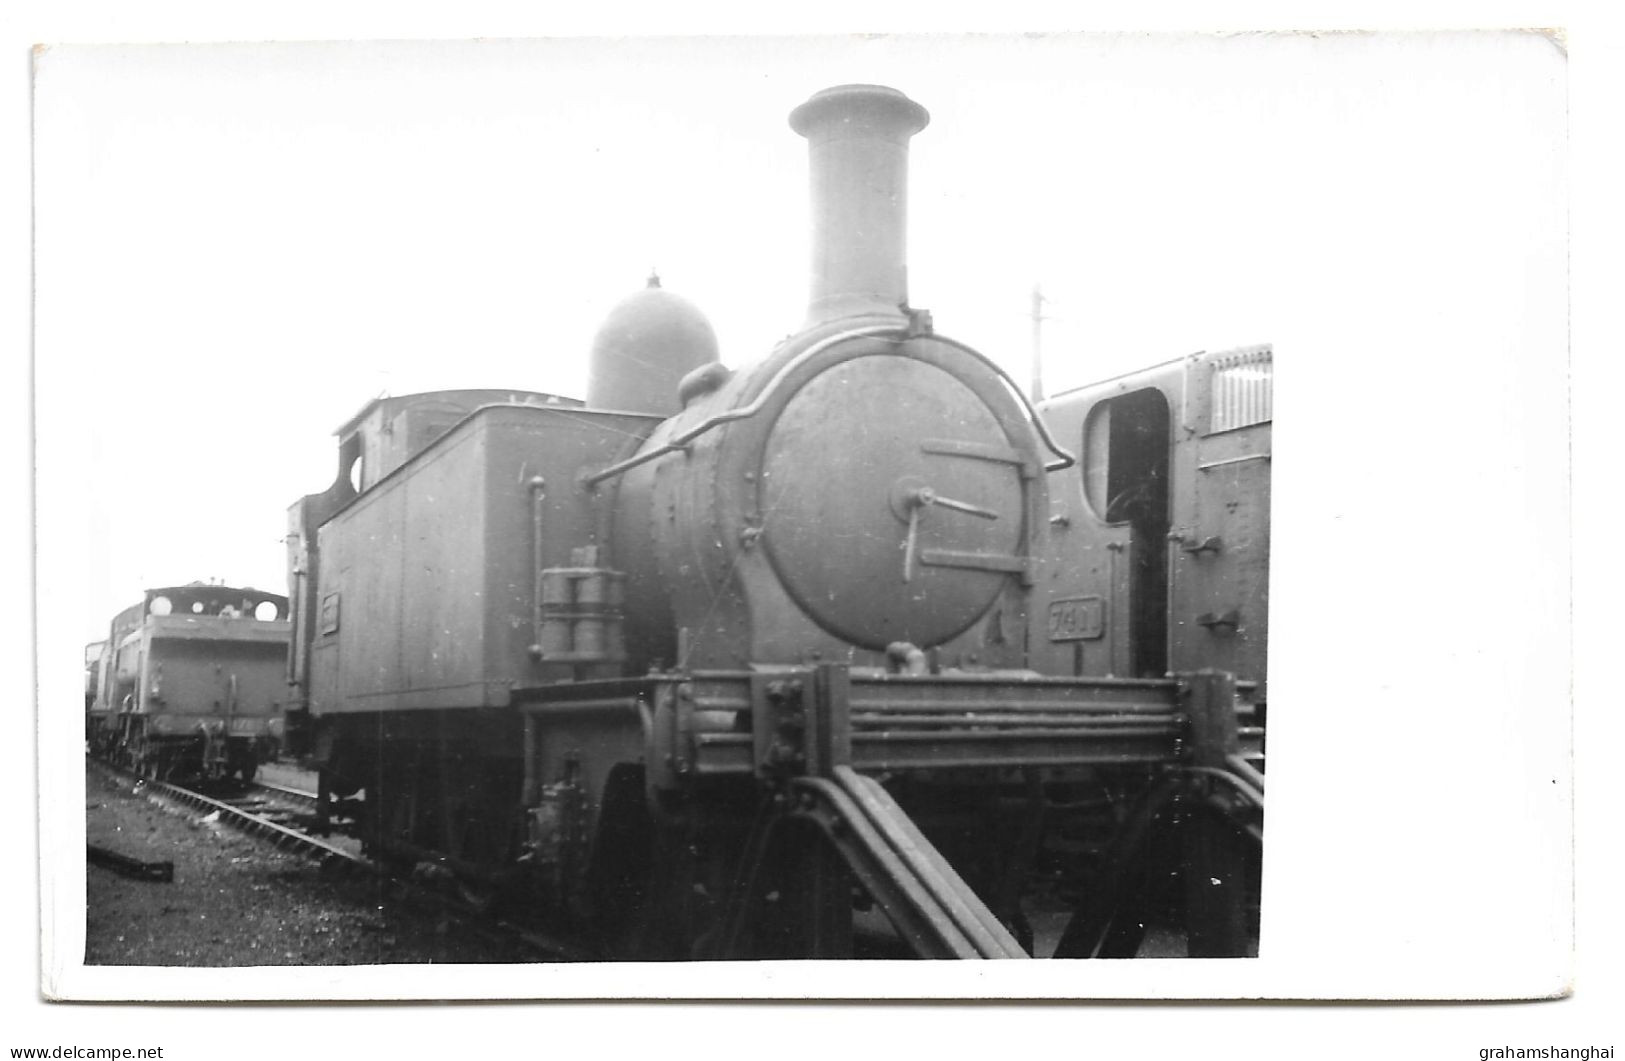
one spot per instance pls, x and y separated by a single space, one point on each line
373 445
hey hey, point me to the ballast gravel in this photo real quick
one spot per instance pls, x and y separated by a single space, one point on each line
237 901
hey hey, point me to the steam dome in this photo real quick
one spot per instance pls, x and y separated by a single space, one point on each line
649 342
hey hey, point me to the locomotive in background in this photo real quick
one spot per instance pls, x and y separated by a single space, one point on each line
835 652
1165 525
190 683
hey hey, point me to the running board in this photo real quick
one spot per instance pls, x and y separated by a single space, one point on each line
931 906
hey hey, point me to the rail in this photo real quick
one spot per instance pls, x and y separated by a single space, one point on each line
332 858
280 836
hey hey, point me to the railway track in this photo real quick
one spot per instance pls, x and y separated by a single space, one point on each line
305 801
259 817
277 814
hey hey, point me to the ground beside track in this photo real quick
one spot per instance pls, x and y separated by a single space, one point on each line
237 901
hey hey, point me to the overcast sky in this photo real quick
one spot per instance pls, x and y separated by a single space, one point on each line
238 245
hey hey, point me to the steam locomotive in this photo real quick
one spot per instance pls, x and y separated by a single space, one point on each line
842 652
190 683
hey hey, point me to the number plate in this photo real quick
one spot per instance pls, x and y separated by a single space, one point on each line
330 614
1077 619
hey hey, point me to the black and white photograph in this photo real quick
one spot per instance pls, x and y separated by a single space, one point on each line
797 517
858 648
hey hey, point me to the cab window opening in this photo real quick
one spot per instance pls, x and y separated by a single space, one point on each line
1127 451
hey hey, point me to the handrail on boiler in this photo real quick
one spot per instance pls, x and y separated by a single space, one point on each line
683 440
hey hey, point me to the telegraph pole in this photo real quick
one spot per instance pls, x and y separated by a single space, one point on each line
1036 389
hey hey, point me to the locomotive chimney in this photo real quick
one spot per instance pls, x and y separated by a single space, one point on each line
858 144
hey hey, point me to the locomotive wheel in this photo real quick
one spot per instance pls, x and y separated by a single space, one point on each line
801 905
621 870
143 760
1171 839
241 761
1221 869
665 875
1108 924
